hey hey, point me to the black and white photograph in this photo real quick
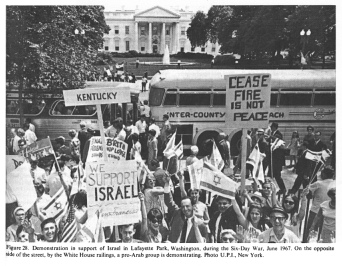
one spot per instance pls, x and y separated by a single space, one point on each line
159 125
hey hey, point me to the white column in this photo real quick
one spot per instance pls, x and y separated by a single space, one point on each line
150 37
177 37
136 36
174 38
162 49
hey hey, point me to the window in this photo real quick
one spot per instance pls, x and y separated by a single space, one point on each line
106 48
126 29
116 30
116 45
127 45
297 98
274 98
202 49
142 31
106 45
182 30
171 97
192 49
156 96
167 30
59 108
142 48
213 49
30 107
186 99
182 49
323 98
219 99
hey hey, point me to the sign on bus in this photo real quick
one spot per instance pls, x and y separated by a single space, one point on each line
248 100
96 96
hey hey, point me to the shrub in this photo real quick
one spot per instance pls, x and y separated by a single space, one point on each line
225 60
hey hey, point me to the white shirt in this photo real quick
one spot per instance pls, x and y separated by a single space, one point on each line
141 126
32 128
134 129
30 137
110 132
122 135
156 128
188 228
15 143
145 110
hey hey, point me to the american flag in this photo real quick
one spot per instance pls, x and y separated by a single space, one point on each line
70 228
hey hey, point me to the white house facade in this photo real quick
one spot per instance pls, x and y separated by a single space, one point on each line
150 30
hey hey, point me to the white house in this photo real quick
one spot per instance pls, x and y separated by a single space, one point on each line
150 30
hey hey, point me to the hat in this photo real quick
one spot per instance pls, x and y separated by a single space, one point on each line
260 130
83 124
18 209
257 195
279 209
21 142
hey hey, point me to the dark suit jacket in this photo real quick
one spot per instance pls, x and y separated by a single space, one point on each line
228 221
177 222
319 146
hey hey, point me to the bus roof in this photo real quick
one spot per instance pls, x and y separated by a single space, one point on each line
214 78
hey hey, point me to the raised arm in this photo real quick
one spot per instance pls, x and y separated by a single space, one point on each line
241 218
171 205
199 237
144 226
301 212
181 185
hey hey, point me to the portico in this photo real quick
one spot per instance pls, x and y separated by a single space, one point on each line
155 28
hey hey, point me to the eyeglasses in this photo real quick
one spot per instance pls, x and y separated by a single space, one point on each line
288 202
281 219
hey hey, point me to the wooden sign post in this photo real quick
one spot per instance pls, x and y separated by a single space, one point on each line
247 106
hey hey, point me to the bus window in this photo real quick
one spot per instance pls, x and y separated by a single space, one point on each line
186 99
12 107
219 99
84 110
156 96
170 99
61 109
294 98
324 99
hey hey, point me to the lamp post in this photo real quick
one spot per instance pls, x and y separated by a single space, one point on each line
304 39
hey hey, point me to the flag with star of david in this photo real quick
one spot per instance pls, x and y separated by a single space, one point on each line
58 205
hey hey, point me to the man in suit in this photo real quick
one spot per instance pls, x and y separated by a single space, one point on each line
309 139
277 158
224 218
185 226
318 145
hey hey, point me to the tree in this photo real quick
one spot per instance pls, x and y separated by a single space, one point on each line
197 32
43 49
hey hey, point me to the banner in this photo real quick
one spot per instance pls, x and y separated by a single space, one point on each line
106 95
116 149
39 149
113 187
58 205
248 100
195 173
216 158
13 162
21 184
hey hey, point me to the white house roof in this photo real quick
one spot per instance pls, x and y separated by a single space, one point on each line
157 12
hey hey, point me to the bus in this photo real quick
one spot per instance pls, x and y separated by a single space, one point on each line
195 101
52 118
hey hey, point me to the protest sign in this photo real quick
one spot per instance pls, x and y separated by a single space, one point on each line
39 149
113 187
248 100
116 149
106 95
13 162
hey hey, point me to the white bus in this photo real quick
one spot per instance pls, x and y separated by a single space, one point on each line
195 102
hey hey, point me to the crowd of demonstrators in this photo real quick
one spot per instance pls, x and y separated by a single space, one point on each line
172 210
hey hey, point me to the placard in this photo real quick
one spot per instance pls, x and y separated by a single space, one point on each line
248 100
113 187
116 149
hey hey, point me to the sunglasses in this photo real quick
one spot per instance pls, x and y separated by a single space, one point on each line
277 218
228 239
156 220
288 202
